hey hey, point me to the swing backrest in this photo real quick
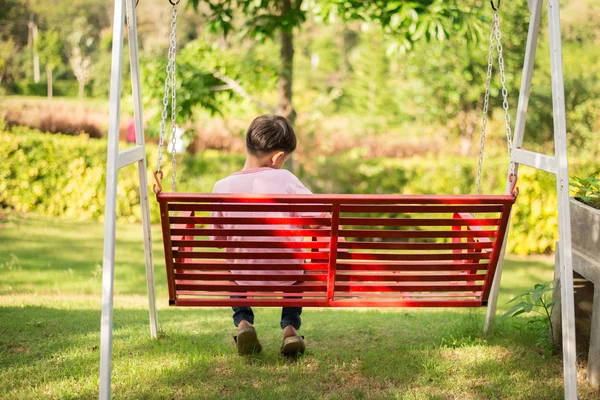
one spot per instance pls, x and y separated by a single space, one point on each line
369 251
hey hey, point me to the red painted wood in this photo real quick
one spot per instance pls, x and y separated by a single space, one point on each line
251 244
410 278
393 287
418 221
250 221
252 277
212 266
252 232
422 209
250 207
232 287
184 278
412 246
412 257
251 255
496 252
407 267
435 274
168 248
324 303
171 197
333 242
410 234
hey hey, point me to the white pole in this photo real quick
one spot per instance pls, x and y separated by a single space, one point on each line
142 173
564 213
108 267
525 90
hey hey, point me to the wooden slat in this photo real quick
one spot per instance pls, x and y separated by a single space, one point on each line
430 287
414 234
422 209
416 295
224 266
242 207
184 278
252 232
247 244
251 302
412 257
217 286
410 278
249 221
419 221
324 303
413 246
410 267
406 303
170 197
252 255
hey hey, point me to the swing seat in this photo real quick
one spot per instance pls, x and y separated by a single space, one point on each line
369 250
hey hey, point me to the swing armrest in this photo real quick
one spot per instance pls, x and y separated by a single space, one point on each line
472 228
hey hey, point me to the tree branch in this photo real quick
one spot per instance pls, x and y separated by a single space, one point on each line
236 87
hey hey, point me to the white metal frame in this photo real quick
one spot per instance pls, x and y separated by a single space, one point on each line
115 161
556 165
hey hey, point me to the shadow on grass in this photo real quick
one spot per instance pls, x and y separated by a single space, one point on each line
352 354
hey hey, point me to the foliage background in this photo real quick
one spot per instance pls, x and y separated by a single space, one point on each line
64 176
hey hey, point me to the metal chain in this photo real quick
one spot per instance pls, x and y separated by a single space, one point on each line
173 51
170 81
508 129
495 39
486 103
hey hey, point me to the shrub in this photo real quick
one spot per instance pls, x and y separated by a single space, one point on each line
64 176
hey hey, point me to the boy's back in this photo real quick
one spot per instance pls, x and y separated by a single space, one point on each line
262 181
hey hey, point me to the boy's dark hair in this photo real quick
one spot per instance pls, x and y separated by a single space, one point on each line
269 133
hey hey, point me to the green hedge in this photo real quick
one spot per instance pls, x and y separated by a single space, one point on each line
64 176
64 88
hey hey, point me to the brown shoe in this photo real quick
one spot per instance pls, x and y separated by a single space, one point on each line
293 346
247 341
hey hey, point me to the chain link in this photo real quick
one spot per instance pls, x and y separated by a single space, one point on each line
170 87
486 103
495 41
508 129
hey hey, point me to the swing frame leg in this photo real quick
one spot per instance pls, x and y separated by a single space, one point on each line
115 161
557 165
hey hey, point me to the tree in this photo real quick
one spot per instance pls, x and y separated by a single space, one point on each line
454 73
405 21
82 45
50 50
7 59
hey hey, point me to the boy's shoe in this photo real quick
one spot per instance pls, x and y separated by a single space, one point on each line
292 346
247 341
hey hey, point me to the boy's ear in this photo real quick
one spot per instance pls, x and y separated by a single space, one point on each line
277 157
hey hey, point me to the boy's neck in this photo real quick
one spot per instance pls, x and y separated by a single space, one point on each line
253 162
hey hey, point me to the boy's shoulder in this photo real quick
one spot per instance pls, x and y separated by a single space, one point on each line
277 175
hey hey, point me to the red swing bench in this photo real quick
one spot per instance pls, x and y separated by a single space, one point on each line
396 251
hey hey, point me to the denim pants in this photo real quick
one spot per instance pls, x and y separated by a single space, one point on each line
289 315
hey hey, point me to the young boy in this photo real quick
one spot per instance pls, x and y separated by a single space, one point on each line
270 141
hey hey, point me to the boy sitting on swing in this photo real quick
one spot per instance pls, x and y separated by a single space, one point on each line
270 141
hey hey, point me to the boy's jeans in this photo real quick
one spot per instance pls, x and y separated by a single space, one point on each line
289 315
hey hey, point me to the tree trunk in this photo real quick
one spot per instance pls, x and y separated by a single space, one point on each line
49 78
286 74
81 89
286 70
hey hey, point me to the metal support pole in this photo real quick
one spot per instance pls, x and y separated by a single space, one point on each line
564 212
142 173
525 90
108 266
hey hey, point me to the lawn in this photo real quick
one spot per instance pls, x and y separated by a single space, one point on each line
50 285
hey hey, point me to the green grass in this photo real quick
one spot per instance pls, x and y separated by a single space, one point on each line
50 304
